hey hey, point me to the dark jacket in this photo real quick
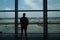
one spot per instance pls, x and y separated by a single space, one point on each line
24 21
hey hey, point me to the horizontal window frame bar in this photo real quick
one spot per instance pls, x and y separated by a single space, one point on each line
28 18
19 23
18 18
26 10
21 10
33 33
52 10
30 23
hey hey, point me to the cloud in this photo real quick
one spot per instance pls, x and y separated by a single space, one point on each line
57 6
7 8
33 5
54 7
5 0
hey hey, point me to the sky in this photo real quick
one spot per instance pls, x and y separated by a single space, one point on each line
29 5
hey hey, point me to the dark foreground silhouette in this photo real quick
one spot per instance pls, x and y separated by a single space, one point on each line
24 24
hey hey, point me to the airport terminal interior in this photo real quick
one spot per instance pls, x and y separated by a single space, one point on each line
43 17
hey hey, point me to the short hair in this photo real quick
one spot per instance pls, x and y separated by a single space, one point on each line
24 14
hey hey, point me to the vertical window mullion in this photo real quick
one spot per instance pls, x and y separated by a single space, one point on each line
45 19
16 19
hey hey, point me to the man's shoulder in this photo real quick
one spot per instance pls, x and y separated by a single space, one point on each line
21 17
24 18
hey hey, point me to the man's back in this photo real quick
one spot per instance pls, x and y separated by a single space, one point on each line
24 21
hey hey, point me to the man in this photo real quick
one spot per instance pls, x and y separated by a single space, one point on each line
24 24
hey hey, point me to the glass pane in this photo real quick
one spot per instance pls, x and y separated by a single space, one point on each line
53 28
7 22
33 28
53 4
54 17
7 15
30 4
33 17
7 4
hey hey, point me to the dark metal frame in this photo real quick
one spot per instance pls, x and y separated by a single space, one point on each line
16 19
44 17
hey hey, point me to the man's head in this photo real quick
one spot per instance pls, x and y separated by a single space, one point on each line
24 14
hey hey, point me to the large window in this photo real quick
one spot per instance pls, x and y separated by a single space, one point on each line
53 16
43 15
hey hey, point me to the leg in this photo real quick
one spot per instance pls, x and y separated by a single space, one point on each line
25 32
21 32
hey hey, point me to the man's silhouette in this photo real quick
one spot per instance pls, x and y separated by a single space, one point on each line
24 24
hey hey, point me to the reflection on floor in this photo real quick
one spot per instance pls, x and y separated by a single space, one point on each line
30 37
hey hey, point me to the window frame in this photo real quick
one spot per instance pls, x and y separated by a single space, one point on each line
44 17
